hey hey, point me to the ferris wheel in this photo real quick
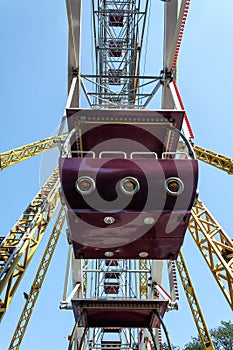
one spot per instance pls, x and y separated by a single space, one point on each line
118 243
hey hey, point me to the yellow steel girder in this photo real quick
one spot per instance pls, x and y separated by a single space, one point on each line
19 246
217 160
194 304
37 283
19 154
216 247
143 278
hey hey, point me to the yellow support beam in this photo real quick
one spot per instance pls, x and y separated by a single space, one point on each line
143 278
194 304
217 160
37 283
216 247
19 246
19 154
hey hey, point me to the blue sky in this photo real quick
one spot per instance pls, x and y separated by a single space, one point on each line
33 92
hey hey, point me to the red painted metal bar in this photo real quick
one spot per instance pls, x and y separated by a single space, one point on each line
182 107
182 26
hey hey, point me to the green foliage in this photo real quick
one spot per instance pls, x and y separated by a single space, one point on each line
222 338
195 344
